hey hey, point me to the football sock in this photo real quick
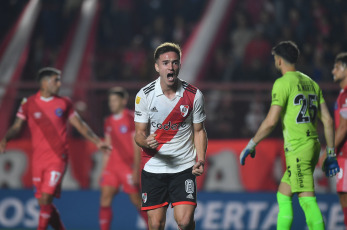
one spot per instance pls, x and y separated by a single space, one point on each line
314 218
285 214
55 220
105 218
45 216
345 215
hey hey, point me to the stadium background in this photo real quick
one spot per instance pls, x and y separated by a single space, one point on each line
226 53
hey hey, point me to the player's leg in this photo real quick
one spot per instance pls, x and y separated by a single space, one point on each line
157 218
48 185
303 169
184 216
182 191
284 199
155 198
105 212
341 186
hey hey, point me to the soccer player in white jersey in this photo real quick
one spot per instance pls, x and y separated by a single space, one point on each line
169 116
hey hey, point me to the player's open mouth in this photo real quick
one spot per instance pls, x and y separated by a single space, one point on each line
170 76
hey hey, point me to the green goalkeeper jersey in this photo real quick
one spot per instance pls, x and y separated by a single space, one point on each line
300 98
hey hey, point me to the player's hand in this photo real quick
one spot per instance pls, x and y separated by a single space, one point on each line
2 146
330 165
198 168
103 146
249 150
152 143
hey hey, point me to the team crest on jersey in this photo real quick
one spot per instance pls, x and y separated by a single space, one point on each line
144 197
184 110
59 112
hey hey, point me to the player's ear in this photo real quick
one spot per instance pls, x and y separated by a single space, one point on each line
156 67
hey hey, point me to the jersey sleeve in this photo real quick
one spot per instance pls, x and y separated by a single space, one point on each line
343 105
279 93
199 114
22 111
141 108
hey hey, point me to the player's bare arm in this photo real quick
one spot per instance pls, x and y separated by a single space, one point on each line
11 133
86 132
137 162
200 142
141 137
328 124
268 124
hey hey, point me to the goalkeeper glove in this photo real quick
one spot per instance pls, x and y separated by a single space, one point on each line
248 150
330 165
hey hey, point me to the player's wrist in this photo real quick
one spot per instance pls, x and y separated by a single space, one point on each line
331 152
251 144
202 162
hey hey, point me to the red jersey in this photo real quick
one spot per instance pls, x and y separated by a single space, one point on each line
47 121
121 129
341 109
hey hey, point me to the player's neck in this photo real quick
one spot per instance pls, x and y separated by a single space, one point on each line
287 68
45 94
169 91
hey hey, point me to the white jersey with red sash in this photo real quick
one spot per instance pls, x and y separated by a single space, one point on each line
172 121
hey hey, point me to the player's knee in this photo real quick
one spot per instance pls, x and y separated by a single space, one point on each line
185 223
156 223
312 212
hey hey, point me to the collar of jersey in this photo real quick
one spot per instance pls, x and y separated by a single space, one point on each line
158 91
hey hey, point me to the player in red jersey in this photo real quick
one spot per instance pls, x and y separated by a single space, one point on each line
340 76
47 115
121 167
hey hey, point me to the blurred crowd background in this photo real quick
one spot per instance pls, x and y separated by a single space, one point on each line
237 78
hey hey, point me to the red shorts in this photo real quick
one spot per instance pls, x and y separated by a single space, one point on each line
341 177
48 178
120 175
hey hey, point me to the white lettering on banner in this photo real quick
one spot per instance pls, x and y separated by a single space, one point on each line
223 173
270 219
12 167
33 211
212 215
18 213
234 211
335 217
19 210
255 209
97 158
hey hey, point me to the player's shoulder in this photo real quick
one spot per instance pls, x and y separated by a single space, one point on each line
189 87
149 88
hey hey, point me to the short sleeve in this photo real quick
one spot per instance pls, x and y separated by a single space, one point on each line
141 108
279 94
22 111
199 114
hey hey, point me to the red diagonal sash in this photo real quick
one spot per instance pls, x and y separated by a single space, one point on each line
170 125
49 131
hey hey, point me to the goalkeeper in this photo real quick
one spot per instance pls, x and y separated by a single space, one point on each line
298 101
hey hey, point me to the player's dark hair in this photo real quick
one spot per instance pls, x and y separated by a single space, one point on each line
341 57
120 91
47 72
167 47
288 50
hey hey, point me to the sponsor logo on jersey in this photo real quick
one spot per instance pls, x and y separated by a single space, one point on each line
37 115
123 129
184 110
138 99
59 112
154 109
138 113
168 126
144 197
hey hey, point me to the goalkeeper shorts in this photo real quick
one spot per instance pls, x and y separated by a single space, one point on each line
301 163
